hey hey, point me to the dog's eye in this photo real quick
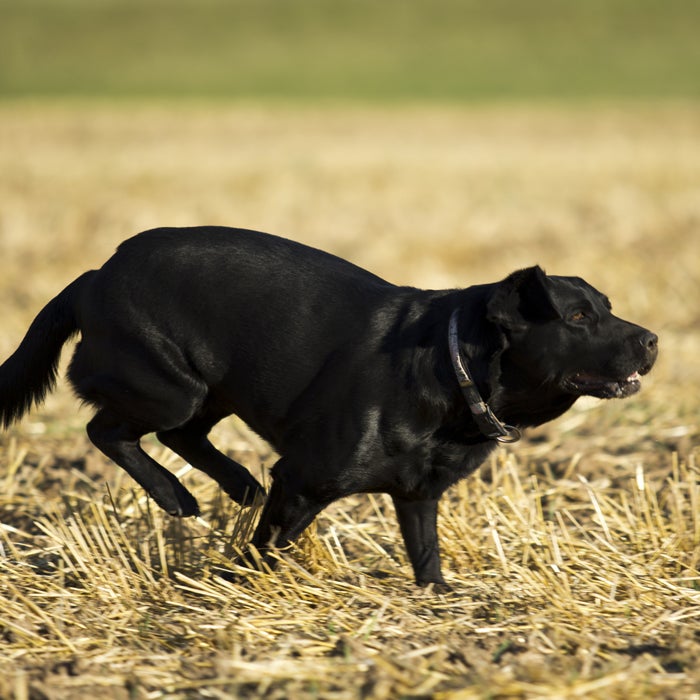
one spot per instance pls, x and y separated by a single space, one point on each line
578 316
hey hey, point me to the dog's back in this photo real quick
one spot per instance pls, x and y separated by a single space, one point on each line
178 301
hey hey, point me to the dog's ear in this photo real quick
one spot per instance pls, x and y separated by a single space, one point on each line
520 299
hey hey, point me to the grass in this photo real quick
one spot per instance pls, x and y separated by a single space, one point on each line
349 49
573 555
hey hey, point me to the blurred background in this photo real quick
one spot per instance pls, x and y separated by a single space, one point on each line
440 143
452 50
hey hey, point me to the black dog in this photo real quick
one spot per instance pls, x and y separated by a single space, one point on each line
360 385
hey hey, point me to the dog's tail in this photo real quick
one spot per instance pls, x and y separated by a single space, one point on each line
30 372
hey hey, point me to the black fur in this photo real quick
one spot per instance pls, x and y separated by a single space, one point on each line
346 375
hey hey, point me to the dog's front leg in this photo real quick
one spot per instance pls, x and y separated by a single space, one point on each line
418 521
287 512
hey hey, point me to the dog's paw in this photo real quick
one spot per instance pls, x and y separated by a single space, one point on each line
187 510
245 494
180 503
438 587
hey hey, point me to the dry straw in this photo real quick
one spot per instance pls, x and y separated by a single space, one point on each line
560 587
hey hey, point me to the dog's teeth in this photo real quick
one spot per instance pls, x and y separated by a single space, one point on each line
633 377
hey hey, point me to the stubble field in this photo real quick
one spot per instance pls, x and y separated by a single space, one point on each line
573 555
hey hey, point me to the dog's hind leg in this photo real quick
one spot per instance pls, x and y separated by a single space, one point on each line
119 440
191 443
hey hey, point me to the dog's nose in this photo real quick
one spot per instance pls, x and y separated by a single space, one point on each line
649 341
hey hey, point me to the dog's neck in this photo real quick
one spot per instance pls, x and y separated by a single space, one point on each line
483 416
527 403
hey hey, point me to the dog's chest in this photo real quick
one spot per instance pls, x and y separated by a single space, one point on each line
428 469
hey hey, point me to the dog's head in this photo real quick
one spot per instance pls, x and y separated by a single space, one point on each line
560 332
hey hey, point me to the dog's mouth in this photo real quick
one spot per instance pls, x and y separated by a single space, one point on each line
589 384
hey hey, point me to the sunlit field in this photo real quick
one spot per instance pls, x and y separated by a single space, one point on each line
573 556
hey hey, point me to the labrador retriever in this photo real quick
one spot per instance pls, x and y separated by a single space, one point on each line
358 384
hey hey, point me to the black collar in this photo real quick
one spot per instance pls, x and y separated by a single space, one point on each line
483 416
